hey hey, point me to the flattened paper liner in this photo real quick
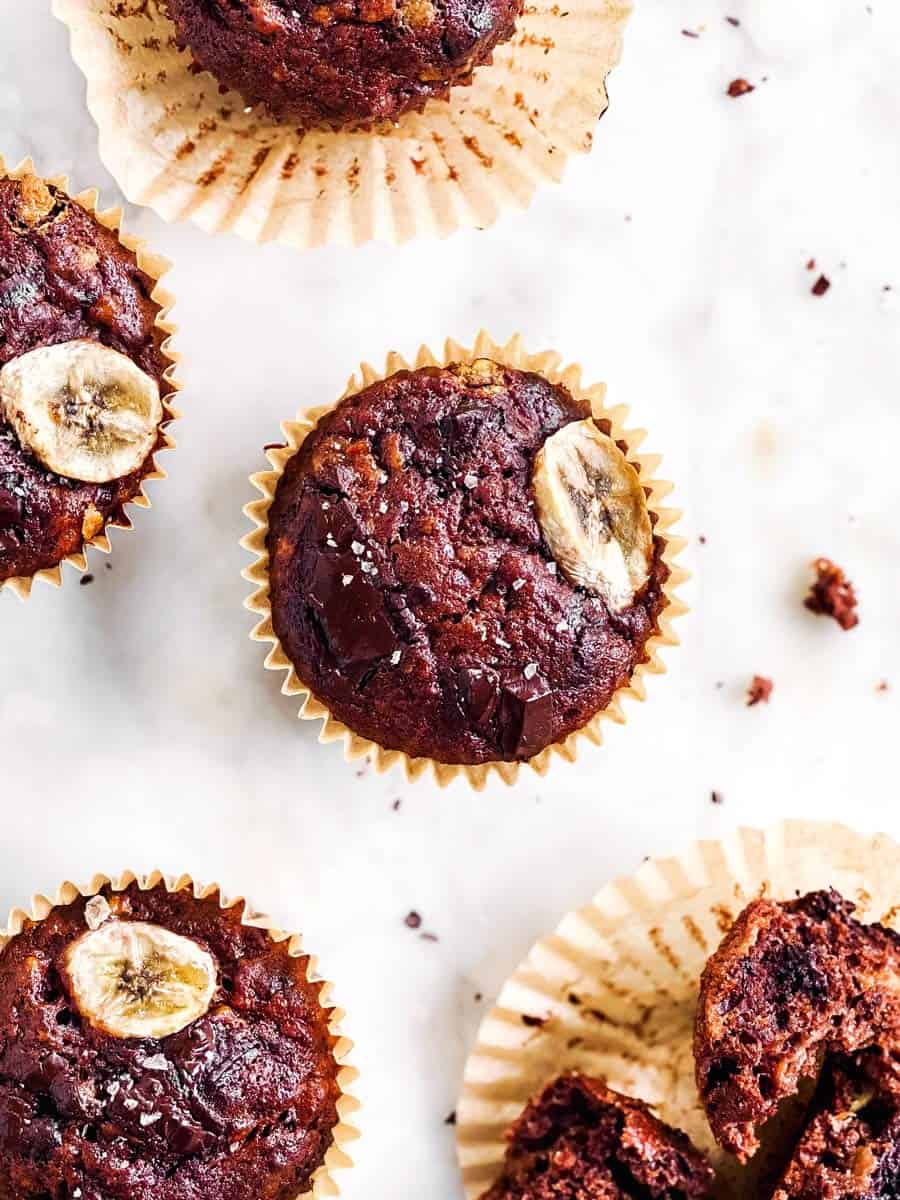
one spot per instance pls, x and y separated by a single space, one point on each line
323 1183
155 266
174 142
513 355
614 989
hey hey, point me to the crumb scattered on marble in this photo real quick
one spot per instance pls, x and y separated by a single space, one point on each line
429 937
85 580
882 686
717 798
733 21
832 594
412 920
450 1119
740 87
395 807
760 690
821 286
689 33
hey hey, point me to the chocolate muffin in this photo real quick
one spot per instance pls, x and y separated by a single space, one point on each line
850 1149
81 381
343 63
462 565
153 1047
578 1140
790 983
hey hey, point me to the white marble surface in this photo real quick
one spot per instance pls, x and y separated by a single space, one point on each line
137 726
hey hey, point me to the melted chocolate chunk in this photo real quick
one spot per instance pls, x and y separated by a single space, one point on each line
526 717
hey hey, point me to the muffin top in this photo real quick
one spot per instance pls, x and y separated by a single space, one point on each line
77 340
432 594
152 1047
342 63
790 982
579 1139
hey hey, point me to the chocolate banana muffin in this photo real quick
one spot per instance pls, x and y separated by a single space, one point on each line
65 280
343 63
578 1140
790 983
153 1047
462 565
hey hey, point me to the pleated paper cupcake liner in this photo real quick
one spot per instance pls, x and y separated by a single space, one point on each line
156 267
512 354
175 143
336 1159
613 990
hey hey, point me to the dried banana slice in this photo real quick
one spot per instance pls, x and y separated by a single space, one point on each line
84 410
593 513
132 979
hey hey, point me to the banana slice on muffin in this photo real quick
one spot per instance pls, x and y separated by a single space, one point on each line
133 979
593 512
84 410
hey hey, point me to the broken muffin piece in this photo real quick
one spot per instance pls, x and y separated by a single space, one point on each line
789 983
850 1149
578 1140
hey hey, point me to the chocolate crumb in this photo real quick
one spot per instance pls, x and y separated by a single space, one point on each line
702 539
733 21
451 1119
478 997
85 580
740 87
717 798
396 805
883 686
832 594
760 690
811 265
533 1022
108 566
429 937
573 999
821 286
412 920
691 33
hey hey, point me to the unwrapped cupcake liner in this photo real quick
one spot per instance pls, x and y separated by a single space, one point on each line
323 1183
174 142
156 267
613 990
512 354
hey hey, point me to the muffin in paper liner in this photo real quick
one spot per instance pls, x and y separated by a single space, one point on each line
614 989
323 1182
512 354
156 267
174 142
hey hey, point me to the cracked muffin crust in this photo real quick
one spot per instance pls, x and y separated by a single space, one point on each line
343 63
578 1140
237 1104
64 277
789 983
410 582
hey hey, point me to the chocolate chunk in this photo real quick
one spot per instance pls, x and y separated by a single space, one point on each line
351 610
821 286
465 429
739 87
478 691
525 717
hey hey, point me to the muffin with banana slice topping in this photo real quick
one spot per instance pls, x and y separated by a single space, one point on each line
153 1046
462 564
82 376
